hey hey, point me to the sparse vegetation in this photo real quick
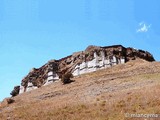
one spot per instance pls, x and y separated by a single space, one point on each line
66 78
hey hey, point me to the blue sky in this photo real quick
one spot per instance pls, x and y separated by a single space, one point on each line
35 31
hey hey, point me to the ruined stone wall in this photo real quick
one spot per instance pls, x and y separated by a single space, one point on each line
89 60
99 62
39 77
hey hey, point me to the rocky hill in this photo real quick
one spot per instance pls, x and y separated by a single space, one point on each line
92 59
107 94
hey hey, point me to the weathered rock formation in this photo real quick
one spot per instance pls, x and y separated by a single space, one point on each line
92 59
15 91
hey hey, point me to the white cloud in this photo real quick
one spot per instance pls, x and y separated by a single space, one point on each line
143 27
141 23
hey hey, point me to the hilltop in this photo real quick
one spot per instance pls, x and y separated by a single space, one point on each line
108 82
133 87
93 58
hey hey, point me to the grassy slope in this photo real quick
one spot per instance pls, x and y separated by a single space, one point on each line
107 94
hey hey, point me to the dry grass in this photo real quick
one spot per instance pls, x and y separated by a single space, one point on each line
104 95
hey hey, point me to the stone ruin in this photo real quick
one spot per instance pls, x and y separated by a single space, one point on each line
99 62
92 59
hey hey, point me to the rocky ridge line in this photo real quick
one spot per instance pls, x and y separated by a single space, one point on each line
38 76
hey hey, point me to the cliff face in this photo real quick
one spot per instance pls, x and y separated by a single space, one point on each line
89 60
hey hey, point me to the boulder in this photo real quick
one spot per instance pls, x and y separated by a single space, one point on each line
6 102
15 91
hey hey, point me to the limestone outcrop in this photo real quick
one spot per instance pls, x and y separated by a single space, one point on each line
91 59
